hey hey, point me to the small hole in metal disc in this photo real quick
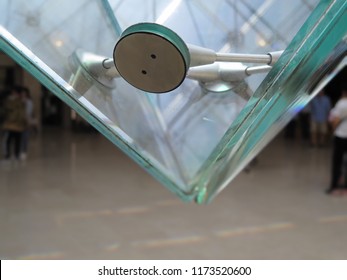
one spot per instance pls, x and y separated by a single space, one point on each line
144 72
153 56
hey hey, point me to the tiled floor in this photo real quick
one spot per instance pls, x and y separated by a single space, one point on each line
78 197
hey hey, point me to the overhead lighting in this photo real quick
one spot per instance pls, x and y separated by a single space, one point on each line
168 11
58 43
261 42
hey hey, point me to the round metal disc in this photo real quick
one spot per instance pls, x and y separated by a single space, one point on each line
151 57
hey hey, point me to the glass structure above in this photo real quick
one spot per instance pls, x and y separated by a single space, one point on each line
220 89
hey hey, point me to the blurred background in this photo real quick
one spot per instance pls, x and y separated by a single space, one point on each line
74 195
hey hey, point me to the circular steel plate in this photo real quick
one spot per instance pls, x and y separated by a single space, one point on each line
151 57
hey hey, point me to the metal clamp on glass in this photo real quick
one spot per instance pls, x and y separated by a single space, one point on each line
153 58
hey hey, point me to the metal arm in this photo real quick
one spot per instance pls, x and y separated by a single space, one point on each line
202 56
153 58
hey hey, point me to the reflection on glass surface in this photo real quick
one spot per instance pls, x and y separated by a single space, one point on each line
198 137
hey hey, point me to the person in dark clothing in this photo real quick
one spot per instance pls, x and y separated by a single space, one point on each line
338 120
14 122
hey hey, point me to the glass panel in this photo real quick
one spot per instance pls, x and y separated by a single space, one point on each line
196 138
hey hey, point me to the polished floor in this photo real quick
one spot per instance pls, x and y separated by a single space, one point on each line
79 197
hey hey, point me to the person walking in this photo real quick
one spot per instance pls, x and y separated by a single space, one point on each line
14 122
338 120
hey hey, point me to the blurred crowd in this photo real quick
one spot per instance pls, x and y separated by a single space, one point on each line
321 124
17 122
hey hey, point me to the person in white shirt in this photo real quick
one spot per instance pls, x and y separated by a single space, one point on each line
338 120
